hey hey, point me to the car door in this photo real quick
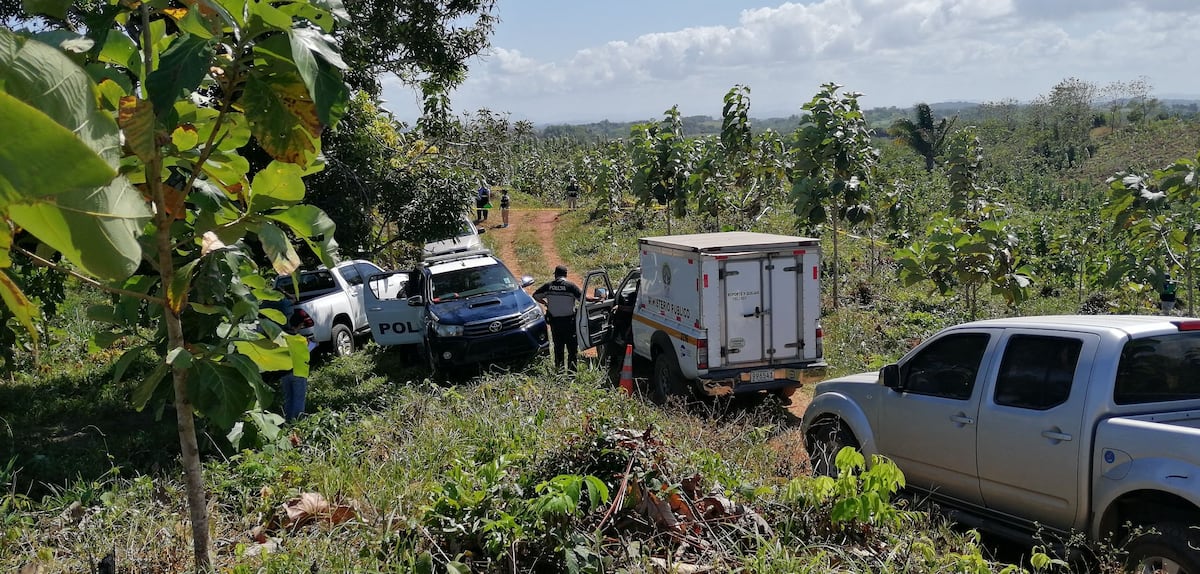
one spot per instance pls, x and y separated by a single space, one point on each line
928 425
592 318
396 316
1031 426
354 289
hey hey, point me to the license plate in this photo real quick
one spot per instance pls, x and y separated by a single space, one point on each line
762 376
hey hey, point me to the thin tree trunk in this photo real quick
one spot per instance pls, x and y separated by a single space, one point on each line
184 416
1190 282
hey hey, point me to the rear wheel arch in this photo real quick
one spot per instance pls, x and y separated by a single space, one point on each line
1145 508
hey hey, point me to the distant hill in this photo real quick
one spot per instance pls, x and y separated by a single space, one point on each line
879 118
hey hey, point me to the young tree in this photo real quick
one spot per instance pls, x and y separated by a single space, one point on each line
970 245
833 160
662 162
130 169
924 136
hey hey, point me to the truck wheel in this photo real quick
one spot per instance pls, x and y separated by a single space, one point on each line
342 340
665 381
1172 548
823 442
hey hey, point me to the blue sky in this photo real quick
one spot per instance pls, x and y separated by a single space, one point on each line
576 61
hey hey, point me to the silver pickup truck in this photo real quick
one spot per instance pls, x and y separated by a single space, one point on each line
1070 423
332 298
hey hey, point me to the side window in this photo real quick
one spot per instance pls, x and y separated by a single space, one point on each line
1158 369
351 275
366 270
947 367
1036 372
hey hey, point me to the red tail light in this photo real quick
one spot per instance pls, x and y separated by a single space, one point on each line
820 341
301 318
702 353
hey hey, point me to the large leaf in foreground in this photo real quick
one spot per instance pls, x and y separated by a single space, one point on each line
46 159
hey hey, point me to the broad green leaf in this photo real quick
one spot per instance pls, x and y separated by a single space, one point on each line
179 358
180 71
277 184
143 392
127 359
310 223
185 137
52 8
96 229
112 92
310 12
47 159
266 354
119 49
278 248
136 118
273 314
282 115
219 392
103 340
18 304
266 17
251 372
227 168
334 7
298 348
5 247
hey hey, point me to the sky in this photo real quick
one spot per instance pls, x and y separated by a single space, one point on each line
576 61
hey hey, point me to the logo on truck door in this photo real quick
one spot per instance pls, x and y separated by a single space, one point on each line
398 327
666 274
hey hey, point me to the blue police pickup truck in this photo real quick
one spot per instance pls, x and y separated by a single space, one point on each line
463 309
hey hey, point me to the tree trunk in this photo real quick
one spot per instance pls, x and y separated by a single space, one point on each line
184 416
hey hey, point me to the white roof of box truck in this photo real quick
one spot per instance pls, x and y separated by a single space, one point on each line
729 242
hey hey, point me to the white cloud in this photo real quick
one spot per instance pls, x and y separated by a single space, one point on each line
898 52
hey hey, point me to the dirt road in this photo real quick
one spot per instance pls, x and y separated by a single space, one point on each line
542 223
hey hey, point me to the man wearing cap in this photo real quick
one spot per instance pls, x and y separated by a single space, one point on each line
560 296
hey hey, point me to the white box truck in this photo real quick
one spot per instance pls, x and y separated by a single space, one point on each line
722 313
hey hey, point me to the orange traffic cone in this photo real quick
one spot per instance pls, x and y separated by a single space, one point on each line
626 381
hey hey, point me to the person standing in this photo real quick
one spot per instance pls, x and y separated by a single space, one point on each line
560 296
505 203
572 193
295 388
483 200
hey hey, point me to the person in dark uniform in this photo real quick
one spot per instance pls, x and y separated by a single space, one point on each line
560 297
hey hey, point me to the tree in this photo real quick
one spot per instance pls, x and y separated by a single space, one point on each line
662 162
833 160
970 245
164 220
924 136
1159 215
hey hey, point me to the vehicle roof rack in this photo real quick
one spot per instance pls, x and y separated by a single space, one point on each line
443 258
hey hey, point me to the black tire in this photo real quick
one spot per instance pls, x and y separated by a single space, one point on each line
823 442
1171 548
341 340
665 380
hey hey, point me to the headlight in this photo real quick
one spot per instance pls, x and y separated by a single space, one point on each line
532 314
447 330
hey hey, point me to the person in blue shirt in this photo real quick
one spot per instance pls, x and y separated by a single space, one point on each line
483 202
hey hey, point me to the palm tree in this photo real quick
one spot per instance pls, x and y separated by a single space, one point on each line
924 136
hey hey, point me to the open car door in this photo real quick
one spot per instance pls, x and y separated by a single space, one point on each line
592 318
393 320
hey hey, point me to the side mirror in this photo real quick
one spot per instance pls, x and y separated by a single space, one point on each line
601 293
416 301
890 375
481 230
526 281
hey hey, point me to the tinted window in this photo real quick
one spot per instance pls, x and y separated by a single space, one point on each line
309 282
367 270
1036 372
947 367
350 274
1158 369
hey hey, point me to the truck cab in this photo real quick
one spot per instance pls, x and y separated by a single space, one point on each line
463 309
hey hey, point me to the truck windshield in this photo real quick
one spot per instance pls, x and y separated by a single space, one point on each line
458 283
1157 369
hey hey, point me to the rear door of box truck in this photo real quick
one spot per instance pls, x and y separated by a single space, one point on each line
769 307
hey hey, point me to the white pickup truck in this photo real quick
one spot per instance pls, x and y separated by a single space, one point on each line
332 298
716 313
1071 423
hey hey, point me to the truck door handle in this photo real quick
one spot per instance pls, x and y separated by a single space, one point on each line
1056 435
962 419
757 313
